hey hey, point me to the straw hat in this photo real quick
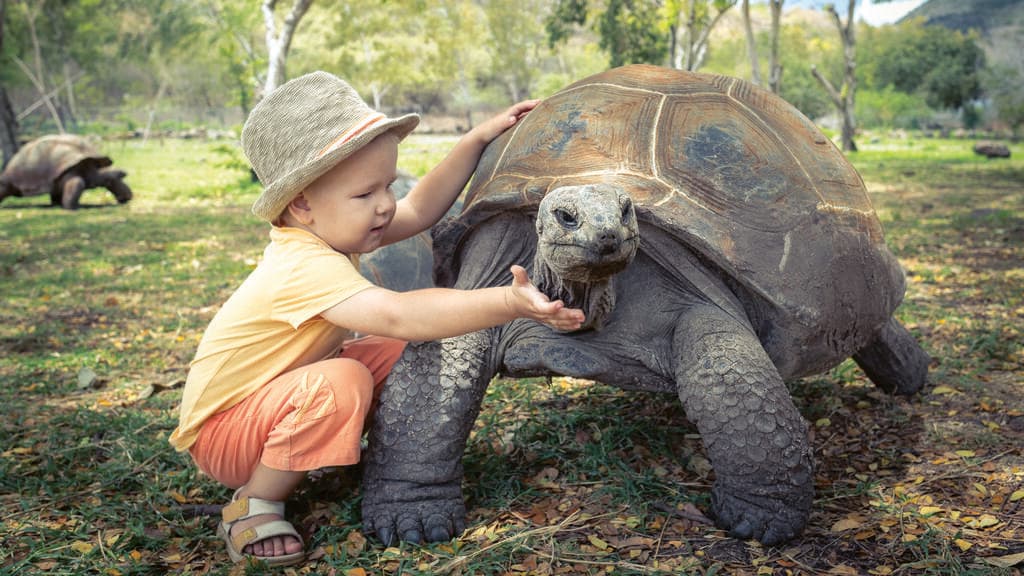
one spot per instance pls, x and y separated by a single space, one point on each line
303 129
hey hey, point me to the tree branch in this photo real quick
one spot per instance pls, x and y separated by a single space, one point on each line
42 92
837 99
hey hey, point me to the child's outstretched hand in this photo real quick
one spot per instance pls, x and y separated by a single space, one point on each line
527 301
493 127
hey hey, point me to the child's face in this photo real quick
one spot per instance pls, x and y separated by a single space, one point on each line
352 204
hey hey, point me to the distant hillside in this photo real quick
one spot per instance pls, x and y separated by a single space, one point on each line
1000 23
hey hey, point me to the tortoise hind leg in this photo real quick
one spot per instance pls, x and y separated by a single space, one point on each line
894 360
7 190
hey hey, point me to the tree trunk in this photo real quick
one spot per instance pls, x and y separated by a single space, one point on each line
8 129
38 78
774 67
755 65
279 44
844 99
66 105
690 37
8 122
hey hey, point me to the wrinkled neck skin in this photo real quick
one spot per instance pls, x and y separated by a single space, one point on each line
596 299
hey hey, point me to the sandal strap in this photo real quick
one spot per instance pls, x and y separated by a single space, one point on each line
248 506
264 531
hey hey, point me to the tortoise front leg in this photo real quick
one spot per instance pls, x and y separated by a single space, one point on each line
113 179
71 187
412 479
754 435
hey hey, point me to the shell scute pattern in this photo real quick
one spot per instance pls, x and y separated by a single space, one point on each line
729 169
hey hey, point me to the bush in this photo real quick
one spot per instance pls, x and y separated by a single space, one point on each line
889 108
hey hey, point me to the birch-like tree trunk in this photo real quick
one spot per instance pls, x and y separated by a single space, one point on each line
844 98
278 44
748 27
67 108
38 77
774 68
692 30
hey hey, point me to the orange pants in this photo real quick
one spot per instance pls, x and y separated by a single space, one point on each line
308 418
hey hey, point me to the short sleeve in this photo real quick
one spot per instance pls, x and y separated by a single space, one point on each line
313 278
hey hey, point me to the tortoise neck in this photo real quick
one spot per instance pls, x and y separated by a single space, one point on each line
596 299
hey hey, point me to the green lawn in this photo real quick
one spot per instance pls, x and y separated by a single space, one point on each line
103 308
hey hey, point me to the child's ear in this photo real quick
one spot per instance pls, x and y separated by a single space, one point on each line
300 210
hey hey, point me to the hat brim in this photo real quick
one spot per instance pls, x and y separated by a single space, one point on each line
276 195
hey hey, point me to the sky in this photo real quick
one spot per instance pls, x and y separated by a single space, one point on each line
868 10
886 13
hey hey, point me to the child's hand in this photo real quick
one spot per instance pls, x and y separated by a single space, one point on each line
527 301
493 127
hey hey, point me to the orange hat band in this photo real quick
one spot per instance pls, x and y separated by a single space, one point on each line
351 133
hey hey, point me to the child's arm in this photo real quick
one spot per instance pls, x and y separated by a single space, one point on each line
435 193
435 313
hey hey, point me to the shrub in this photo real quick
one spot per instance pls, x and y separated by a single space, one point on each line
891 109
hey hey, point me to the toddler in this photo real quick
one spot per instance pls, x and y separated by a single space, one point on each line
277 387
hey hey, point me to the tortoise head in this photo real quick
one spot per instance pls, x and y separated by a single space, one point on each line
585 235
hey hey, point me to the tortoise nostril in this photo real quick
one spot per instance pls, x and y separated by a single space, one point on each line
607 242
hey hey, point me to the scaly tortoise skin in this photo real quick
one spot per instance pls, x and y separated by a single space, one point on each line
62 166
720 245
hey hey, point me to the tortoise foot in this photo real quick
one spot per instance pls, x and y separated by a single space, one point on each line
770 519
408 512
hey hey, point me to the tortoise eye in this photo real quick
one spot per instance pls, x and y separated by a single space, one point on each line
566 219
627 207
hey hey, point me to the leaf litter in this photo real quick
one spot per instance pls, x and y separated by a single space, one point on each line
559 479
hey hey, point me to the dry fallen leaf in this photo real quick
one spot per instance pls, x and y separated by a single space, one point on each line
1006 561
848 523
598 543
81 547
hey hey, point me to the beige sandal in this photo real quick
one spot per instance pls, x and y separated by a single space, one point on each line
247 507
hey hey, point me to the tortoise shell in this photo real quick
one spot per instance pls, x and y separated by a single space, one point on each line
39 164
726 168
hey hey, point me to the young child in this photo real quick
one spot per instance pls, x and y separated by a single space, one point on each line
276 388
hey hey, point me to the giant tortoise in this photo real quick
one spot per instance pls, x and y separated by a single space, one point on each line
720 245
63 166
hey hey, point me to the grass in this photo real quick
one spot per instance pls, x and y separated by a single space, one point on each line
103 309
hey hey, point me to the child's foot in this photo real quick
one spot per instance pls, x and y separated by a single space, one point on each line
254 528
269 547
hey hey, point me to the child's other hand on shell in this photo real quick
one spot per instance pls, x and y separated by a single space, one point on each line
493 127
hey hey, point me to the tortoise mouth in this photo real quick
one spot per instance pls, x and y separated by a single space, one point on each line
589 262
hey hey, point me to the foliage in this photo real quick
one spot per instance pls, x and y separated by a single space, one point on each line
631 33
668 33
1005 86
454 56
940 64
801 45
891 108
104 307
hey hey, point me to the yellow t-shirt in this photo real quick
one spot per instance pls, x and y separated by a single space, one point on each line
270 325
